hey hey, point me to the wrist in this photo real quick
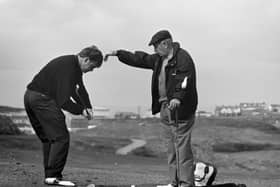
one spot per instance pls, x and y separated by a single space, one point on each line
116 52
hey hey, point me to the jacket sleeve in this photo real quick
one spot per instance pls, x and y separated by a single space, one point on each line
185 73
137 59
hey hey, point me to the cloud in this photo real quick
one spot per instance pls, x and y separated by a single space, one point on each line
225 38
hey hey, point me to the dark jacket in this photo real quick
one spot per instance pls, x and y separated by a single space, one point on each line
180 66
58 80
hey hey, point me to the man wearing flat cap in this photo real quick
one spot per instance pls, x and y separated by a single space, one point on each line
174 95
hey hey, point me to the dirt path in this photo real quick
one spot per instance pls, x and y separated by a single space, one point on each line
136 143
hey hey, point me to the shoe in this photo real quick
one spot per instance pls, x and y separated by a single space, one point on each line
56 181
60 177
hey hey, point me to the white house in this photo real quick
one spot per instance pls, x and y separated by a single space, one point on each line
274 108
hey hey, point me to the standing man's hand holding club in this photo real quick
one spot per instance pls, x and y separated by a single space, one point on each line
174 103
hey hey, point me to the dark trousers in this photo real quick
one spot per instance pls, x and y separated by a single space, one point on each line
180 155
48 121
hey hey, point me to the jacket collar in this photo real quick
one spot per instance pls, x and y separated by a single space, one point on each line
176 47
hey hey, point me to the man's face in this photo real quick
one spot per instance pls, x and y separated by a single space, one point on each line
161 48
88 65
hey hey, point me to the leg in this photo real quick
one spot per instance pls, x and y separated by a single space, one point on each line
28 98
186 166
169 140
49 124
53 122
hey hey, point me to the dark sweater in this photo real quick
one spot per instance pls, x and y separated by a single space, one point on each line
58 80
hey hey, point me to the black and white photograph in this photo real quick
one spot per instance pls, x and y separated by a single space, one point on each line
127 93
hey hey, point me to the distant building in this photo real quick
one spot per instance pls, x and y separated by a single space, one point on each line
227 111
245 109
252 106
101 112
202 113
253 109
126 115
274 108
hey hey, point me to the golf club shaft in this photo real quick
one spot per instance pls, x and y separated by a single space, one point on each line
176 146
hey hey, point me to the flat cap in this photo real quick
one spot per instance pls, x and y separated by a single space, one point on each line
159 36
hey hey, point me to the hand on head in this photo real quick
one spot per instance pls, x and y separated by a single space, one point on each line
112 53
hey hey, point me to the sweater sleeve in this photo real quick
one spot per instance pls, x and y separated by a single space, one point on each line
64 91
72 107
83 97
63 88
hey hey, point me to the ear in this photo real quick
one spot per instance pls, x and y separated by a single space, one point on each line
86 60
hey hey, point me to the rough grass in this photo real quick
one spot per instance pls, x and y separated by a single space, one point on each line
7 126
232 147
245 151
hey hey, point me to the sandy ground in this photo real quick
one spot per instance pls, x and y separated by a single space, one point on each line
21 167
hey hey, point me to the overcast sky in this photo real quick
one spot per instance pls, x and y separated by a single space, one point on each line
234 44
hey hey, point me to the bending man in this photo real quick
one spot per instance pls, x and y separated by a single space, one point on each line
55 87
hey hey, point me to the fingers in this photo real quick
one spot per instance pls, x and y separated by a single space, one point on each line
88 113
172 106
106 57
85 113
174 103
113 53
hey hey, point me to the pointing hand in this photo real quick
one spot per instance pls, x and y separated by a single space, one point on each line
112 53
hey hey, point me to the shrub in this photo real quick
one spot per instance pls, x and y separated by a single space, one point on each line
7 126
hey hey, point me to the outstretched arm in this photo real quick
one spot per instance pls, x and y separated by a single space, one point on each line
137 59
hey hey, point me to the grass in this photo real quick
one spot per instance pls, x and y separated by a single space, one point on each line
232 147
244 150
